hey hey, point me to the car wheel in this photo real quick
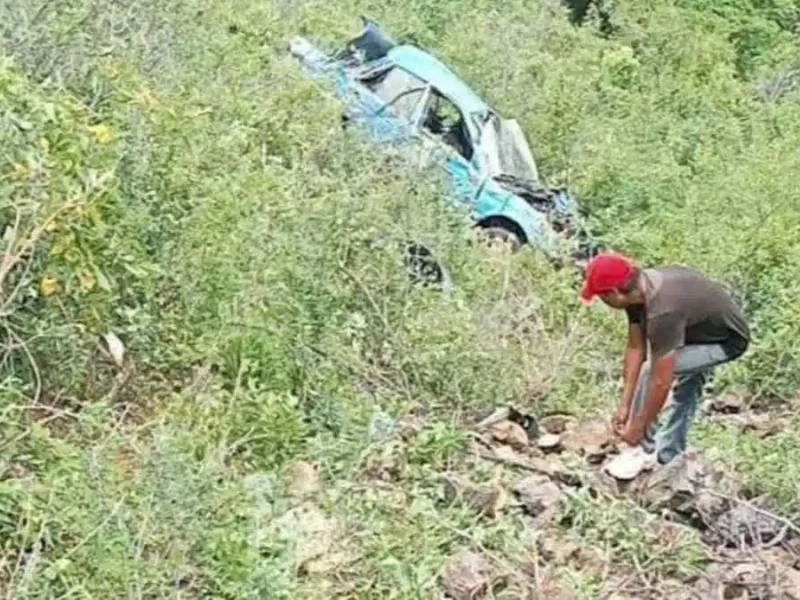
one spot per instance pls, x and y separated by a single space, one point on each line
499 236
423 268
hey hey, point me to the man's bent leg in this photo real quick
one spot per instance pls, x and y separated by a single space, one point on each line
699 357
693 365
673 433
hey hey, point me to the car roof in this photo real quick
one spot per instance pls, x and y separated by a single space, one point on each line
426 67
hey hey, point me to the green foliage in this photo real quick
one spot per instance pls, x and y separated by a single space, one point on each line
178 181
764 465
632 536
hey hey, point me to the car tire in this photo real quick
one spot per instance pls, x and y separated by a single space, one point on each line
499 235
423 268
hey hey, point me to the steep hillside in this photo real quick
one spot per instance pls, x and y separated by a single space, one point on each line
169 176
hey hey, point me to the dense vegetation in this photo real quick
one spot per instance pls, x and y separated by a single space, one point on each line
168 175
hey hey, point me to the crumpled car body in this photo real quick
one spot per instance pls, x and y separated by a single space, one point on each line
405 97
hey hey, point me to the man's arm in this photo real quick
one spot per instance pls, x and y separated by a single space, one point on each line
635 354
661 376
667 335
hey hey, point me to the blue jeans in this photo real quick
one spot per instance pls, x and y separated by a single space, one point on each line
668 433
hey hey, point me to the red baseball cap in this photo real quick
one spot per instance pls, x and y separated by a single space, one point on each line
605 272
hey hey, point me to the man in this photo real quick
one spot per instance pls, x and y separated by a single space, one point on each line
690 324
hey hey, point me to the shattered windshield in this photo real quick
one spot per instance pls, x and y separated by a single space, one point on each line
506 151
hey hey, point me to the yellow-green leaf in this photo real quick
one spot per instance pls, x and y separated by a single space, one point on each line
86 280
48 286
102 133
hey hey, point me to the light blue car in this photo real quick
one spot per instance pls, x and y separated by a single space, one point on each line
406 98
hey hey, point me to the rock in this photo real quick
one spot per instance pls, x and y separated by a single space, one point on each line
555 424
790 582
727 404
510 433
550 467
788 571
759 424
763 425
785 559
591 439
562 551
302 481
549 441
307 530
527 422
499 414
537 494
466 576
689 485
485 500
115 347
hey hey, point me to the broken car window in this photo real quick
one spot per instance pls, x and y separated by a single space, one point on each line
443 119
399 89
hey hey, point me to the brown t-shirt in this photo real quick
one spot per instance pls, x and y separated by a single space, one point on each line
682 307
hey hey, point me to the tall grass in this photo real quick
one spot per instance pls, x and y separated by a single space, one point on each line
186 188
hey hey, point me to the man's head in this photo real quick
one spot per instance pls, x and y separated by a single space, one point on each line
614 279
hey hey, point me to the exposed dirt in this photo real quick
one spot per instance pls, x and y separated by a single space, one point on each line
557 550
549 587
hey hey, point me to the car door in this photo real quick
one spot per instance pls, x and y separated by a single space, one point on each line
449 142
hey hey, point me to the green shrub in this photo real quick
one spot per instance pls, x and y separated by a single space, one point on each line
187 188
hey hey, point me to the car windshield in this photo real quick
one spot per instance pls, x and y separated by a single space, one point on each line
506 151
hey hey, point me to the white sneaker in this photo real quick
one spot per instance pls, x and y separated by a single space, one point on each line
630 462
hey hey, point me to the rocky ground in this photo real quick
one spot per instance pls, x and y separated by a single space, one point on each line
751 551
748 550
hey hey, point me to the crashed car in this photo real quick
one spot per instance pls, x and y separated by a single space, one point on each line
404 96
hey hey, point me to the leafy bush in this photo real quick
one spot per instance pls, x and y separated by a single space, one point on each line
175 180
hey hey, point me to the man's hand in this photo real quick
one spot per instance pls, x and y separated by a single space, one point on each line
620 419
633 433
